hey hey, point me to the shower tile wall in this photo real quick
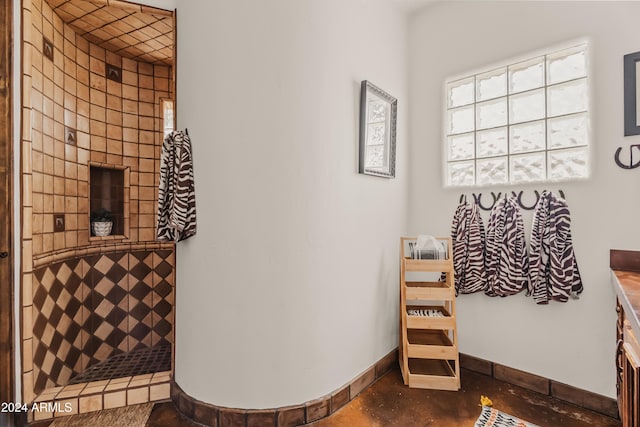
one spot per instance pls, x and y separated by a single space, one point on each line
73 116
88 309
115 123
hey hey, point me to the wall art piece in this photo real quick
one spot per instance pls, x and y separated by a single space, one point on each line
632 94
378 117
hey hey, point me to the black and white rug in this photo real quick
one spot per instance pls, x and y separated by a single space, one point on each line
493 418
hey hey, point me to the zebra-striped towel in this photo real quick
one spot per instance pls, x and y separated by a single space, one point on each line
554 269
507 262
468 238
176 192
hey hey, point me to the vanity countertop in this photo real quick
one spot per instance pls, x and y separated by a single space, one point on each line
625 278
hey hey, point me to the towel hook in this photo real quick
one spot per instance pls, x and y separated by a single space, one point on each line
631 165
478 199
531 207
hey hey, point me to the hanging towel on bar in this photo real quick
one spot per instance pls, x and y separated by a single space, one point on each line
468 239
176 192
554 269
507 262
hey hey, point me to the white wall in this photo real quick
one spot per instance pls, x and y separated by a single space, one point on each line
162 4
572 343
289 289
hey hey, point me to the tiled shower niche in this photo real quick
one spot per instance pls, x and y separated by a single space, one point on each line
109 190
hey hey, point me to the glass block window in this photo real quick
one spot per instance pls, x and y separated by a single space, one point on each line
167 116
520 123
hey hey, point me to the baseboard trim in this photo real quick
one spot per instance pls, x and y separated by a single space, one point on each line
288 416
576 396
317 409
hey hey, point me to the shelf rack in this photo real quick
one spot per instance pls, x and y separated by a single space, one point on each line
428 343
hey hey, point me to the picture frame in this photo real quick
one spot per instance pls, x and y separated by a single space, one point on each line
632 94
378 121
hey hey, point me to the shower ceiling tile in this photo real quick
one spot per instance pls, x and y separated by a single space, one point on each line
102 22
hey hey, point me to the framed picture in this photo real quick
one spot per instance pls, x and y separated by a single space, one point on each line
378 115
632 94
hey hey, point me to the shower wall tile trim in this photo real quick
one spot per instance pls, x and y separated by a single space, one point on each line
106 394
116 124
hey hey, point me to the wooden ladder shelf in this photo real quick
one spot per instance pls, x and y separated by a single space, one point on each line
428 344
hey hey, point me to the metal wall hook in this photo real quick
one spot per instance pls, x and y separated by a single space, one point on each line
477 197
522 206
631 165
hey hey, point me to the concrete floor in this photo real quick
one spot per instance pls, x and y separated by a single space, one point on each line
389 403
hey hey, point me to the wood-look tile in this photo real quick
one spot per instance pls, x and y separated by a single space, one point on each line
114 102
114 117
147 137
130 120
145 69
161 71
318 409
232 417
185 404
339 398
205 414
90 403
146 123
138 395
261 418
146 95
161 84
129 106
521 378
146 109
98 143
83 109
97 113
585 399
159 391
362 382
97 97
98 81
291 416
475 364
68 406
115 399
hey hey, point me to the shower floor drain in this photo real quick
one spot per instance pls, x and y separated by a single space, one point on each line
137 362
